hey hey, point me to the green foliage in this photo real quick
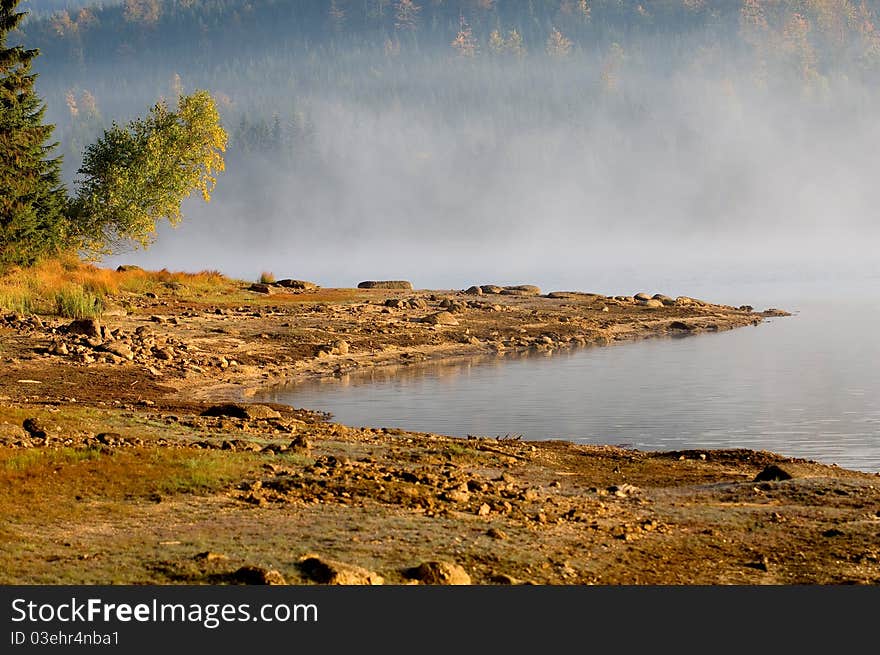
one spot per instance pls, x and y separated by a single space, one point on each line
32 203
137 175
76 302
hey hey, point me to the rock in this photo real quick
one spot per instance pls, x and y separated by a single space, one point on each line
530 289
262 288
642 296
59 349
242 410
109 438
651 303
34 428
328 571
165 354
386 284
681 325
561 295
495 533
396 303
341 347
773 473
456 496
128 267
623 490
746 308
439 573
302 285
474 291
773 311
118 349
484 510
440 318
257 575
503 578
491 288
87 326
300 444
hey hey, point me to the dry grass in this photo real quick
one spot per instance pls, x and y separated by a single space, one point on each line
53 482
71 288
267 277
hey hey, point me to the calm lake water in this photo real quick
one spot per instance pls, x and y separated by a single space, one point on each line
805 386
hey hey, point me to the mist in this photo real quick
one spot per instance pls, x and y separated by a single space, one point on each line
688 166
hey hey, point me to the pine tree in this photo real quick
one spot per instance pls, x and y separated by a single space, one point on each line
32 200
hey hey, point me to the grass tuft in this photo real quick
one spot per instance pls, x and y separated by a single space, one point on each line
76 302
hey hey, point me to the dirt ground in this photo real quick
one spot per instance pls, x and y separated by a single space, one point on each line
129 454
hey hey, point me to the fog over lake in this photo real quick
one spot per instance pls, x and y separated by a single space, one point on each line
726 151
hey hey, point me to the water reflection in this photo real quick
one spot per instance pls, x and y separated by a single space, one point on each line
793 386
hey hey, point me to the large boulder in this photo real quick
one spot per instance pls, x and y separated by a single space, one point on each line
386 284
87 326
332 572
491 288
262 288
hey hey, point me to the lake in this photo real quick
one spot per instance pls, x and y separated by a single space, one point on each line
804 386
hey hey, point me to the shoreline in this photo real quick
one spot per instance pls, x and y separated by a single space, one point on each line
140 463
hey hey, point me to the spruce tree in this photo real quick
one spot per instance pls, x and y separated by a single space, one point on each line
32 199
